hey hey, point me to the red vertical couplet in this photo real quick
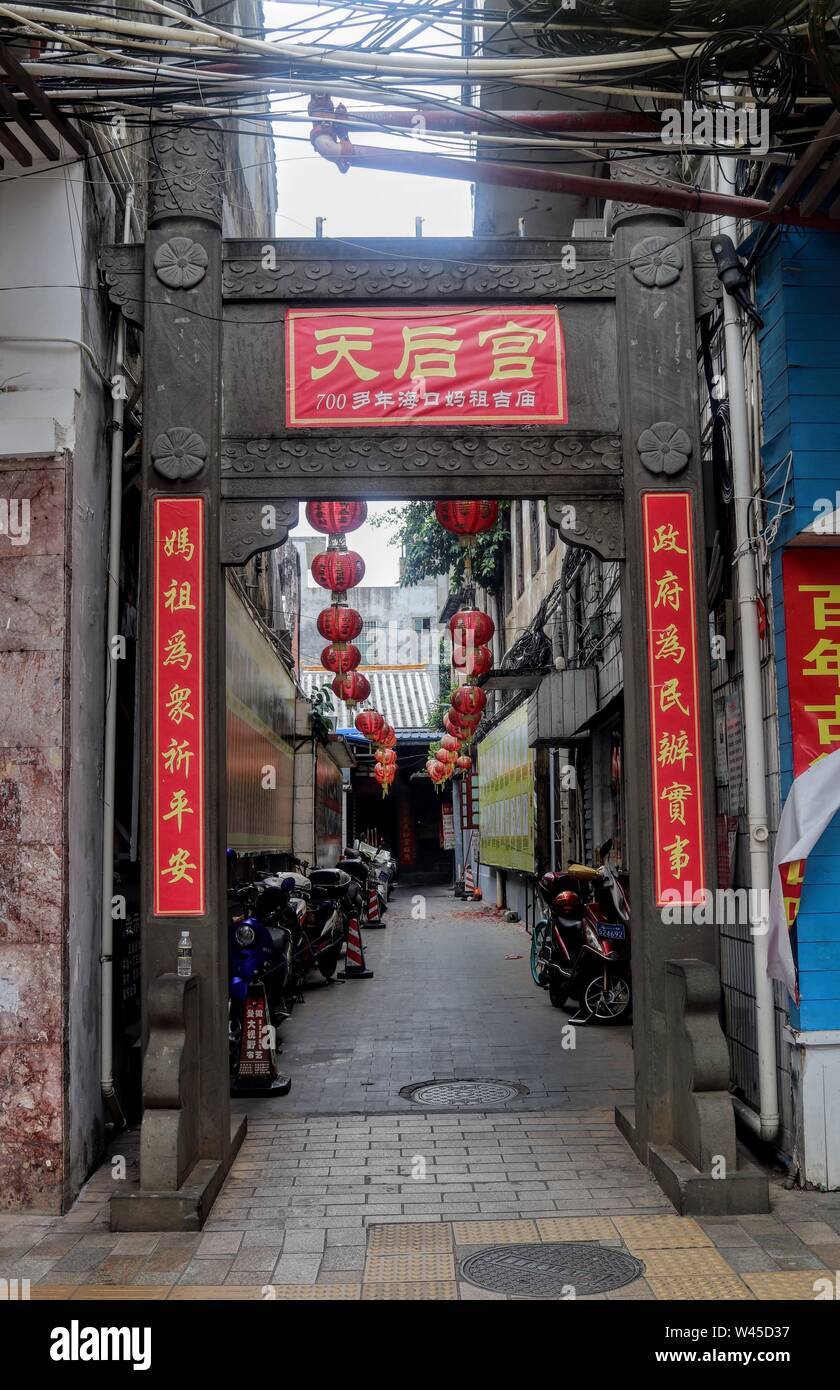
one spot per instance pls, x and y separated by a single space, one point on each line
671 606
178 678
811 580
406 832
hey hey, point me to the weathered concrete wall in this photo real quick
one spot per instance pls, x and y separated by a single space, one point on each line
33 606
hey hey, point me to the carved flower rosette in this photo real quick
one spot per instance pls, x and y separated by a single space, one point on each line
181 263
179 454
656 262
664 448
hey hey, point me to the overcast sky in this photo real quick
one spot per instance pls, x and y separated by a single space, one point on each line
362 202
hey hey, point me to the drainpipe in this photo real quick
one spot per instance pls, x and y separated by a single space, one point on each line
766 1123
106 954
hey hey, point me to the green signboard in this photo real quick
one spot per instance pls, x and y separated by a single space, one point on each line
506 800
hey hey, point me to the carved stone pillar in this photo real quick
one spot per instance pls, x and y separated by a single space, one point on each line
658 392
181 448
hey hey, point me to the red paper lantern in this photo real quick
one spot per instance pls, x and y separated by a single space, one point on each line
471 627
436 770
340 657
459 725
352 688
445 756
334 518
469 699
450 741
386 756
387 737
464 763
339 624
475 661
469 518
370 723
384 777
338 569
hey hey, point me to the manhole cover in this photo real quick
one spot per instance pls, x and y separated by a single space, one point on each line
551 1270
458 1095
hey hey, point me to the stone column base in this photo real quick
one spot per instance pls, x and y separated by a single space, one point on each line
185 1208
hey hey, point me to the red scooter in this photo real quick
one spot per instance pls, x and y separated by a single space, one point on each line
581 948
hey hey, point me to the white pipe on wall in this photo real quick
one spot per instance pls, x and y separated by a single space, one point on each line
109 758
753 703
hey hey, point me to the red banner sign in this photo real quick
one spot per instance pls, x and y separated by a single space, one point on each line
178 707
468 366
674 703
811 580
407 846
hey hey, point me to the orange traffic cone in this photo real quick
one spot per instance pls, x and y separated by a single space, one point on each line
354 956
469 882
374 916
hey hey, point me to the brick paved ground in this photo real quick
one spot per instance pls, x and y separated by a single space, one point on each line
445 1001
386 1203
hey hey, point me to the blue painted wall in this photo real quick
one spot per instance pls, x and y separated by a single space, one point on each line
798 294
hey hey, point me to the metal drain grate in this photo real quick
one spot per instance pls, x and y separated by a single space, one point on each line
562 1269
463 1095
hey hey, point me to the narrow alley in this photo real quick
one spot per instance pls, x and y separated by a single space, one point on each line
451 998
347 1189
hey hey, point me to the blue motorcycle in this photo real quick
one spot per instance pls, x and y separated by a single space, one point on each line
261 951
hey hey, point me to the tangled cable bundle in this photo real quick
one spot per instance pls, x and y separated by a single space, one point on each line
768 62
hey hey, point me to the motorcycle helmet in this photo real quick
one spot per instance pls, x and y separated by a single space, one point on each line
568 904
548 883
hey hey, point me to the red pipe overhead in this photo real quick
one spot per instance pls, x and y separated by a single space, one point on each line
522 176
574 122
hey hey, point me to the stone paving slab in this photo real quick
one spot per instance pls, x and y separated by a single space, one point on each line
330 1198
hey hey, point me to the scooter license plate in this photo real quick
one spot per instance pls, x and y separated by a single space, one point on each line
610 931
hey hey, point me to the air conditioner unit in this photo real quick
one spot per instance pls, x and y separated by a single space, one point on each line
562 705
589 229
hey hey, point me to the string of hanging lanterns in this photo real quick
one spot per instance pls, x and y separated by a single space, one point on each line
339 569
471 631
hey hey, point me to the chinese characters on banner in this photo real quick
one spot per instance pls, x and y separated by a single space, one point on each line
671 604
424 367
178 707
405 835
811 580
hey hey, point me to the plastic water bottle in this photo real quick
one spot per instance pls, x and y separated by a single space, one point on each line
185 955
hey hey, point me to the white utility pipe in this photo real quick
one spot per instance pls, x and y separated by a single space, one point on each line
106 954
753 704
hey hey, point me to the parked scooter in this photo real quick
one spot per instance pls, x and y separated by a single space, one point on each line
260 951
379 872
313 907
581 948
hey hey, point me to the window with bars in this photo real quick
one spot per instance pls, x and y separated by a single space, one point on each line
369 643
520 551
422 641
536 556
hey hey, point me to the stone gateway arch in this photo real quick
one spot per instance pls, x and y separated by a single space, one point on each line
223 469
